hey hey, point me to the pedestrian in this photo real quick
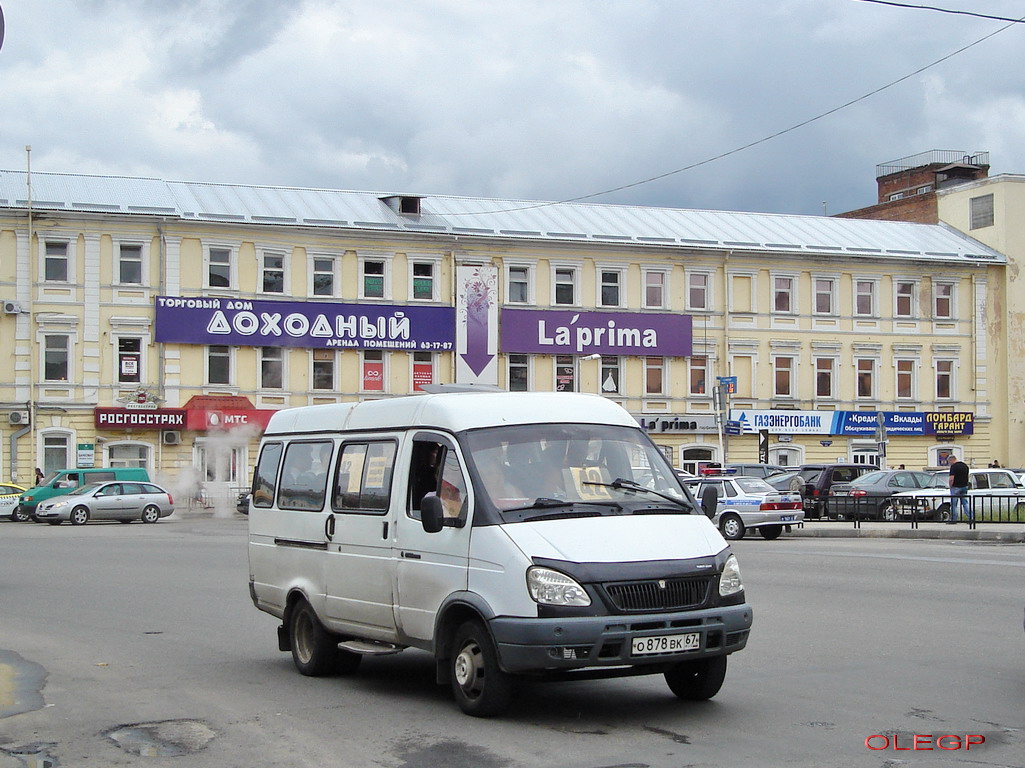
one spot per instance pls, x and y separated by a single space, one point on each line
900 467
995 464
957 480
39 475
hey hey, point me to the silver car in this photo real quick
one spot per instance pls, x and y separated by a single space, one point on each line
122 501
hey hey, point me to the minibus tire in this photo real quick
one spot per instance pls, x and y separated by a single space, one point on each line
480 688
314 649
697 680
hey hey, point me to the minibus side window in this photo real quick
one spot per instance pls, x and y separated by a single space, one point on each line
435 470
304 472
363 480
265 476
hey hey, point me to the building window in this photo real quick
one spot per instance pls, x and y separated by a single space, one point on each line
905 298
654 290
218 364
697 290
565 286
825 291
783 294
372 279
57 358
610 374
129 360
654 375
610 288
519 373
866 368
943 301
219 268
423 370
699 376
864 297
272 367
905 379
565 373
373 370
129 265
128 455
324 369
323 277
55 263
56 453
980 211
944 379
824 377
273 279
518 290
783 376
423 281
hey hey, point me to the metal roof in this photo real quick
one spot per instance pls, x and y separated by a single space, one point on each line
492 218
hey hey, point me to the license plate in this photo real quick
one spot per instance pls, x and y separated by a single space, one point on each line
786 518
643 646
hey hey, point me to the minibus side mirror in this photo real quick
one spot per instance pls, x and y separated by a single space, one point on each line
432 514
709 500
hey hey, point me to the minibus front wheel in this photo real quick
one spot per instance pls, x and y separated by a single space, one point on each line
481 689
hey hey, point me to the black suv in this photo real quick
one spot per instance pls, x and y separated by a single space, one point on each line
815 480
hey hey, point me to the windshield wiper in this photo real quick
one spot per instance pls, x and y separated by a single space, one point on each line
543 502
630 485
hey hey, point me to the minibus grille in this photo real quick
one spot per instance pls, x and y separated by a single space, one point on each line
660 594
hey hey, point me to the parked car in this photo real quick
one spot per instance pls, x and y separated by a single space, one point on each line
9 494
756 470
242 505
786 481
993 494
749 502
108 501
868 496
67 480
817 479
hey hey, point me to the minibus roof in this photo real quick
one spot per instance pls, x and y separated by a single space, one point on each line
452 411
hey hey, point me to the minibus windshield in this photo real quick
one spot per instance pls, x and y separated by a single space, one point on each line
600 468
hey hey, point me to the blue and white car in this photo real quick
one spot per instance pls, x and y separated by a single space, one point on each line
749 502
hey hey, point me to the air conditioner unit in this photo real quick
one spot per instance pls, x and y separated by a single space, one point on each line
17 417
171 437
12 308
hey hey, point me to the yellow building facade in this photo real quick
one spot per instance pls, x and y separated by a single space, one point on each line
141 318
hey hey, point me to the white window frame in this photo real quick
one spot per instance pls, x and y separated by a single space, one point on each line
574 270
231 366
833 366
790 293
530 269
897 295
952 373
69 258
912 374
555 372
312 272
334 369
144 342
874 373
265 253
704 290
262 357
70 447
143 246
384 258
873 295
232 250
937 298
606 364
435 264
956 453
791 379
430 358
385 371
71 356
666 274
599 282
647 366
110 447
831 293
692 368
529 368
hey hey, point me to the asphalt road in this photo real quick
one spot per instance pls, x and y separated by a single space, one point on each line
121 641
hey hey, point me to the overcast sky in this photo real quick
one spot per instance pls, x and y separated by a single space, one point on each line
525 99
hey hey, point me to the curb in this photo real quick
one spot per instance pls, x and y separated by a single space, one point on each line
938 532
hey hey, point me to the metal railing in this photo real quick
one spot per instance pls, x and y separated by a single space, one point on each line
945 156
917 509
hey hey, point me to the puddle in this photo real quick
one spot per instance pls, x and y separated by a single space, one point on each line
169 738
21 684
33 755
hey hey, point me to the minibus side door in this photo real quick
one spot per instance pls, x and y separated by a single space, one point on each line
431 566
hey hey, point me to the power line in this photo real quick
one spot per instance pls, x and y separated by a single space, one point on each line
755 143
945 10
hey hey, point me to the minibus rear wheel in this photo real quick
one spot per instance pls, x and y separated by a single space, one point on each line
481 689
314 649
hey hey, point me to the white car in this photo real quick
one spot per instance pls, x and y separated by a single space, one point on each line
749 502
993 495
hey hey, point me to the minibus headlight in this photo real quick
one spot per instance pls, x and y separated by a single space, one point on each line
729 581
549 587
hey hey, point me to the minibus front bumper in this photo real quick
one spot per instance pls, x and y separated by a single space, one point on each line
654 640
